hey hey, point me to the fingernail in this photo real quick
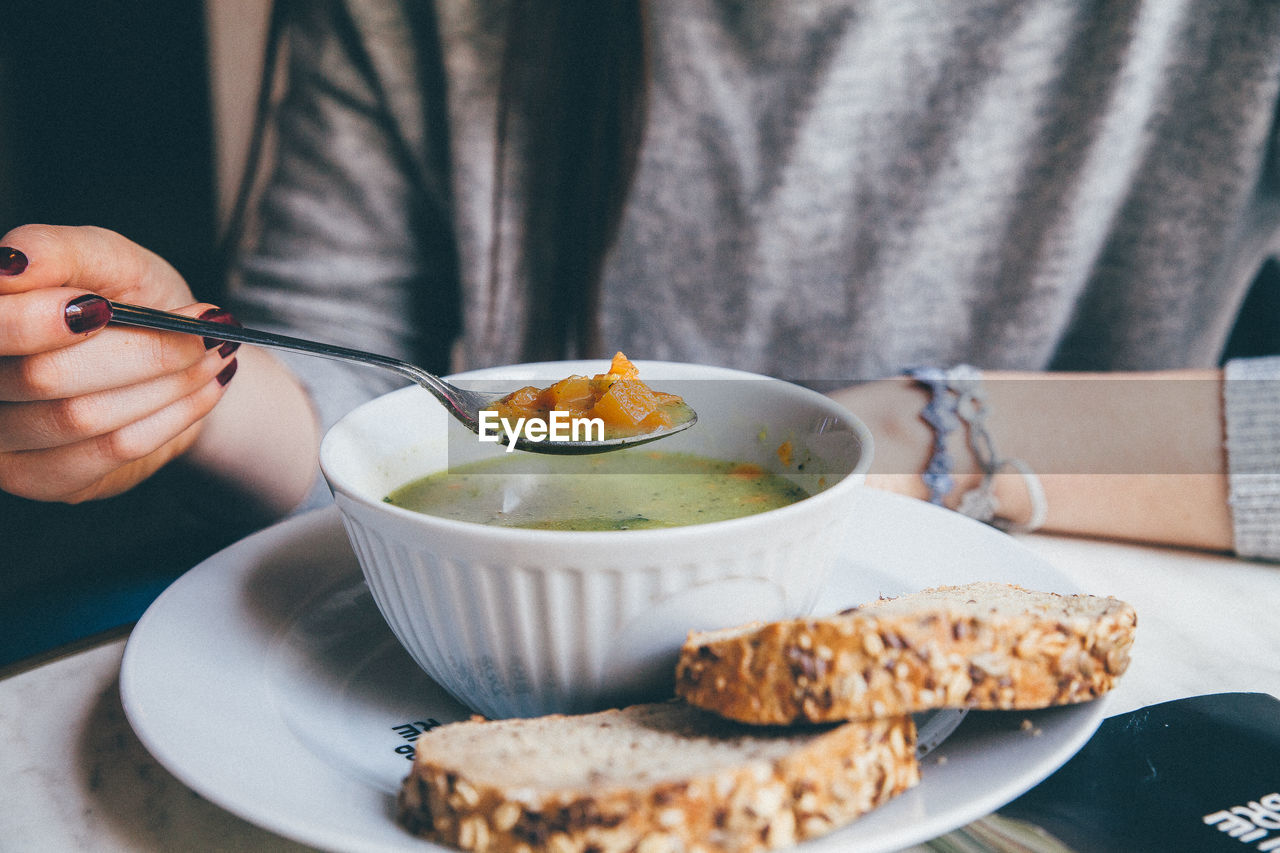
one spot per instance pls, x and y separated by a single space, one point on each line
12 262
223 316
227 372
86 313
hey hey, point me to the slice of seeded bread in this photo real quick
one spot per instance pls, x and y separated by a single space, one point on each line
982 645
655 777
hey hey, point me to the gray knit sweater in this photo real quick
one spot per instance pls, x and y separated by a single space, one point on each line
829 191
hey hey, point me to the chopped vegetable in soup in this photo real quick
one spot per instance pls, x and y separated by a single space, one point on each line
625 405
627 490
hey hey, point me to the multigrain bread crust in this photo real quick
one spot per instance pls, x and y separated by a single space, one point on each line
648 779
982 645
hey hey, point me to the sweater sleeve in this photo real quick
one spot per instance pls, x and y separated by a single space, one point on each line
1251 398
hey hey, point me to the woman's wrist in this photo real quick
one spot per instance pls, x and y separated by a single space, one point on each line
262 436
1123 455
905 443
957 411
1137 456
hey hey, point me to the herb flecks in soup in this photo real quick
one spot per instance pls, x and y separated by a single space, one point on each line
623 404
627 490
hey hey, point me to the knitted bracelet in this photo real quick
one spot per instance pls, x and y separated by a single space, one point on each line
957 396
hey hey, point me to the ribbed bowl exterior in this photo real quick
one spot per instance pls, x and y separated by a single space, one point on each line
512 635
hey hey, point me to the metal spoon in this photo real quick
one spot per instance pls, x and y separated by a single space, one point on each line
463 404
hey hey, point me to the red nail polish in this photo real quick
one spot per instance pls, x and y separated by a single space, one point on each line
223 316
227 372
12 262
86 313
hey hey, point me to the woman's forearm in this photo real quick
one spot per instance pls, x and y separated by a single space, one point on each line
1129 456
262 436
1135 456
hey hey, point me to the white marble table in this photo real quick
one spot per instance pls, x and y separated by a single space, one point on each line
76 777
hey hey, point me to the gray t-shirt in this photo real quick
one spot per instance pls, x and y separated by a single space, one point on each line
828 191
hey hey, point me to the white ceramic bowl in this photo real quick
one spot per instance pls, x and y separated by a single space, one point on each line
524 622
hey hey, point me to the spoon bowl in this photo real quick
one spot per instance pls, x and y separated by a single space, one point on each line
463 404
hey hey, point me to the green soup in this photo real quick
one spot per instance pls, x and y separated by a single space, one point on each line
624 490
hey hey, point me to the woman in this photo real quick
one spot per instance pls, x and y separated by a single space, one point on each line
818 190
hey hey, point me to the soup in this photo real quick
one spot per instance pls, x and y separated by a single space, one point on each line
626 490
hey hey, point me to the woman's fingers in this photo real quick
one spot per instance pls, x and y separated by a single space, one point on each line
95 418
37 321
45 423
89 410
88 258
113 461
112 357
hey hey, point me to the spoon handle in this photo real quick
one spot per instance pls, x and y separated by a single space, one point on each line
151 318
464 404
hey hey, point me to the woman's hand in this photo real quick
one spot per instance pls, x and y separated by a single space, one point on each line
85 411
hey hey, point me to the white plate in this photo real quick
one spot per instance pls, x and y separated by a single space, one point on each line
266 680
